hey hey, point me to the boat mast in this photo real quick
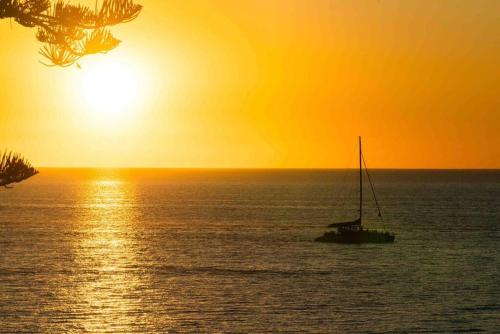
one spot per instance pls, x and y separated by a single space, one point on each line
360 182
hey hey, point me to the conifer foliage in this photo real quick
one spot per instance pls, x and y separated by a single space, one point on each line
70 31
14 169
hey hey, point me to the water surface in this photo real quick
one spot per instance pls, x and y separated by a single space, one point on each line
177 251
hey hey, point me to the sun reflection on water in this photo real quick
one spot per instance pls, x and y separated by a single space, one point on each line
107 255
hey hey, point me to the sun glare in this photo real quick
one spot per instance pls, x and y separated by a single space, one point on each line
110 88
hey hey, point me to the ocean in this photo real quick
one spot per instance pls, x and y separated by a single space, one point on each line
213 251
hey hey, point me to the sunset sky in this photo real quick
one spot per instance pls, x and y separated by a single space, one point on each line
262 83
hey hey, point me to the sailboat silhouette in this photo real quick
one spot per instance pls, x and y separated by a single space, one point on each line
353 231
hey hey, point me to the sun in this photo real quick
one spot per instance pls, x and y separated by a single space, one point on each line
110 88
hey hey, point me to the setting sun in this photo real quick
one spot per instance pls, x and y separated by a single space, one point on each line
109 88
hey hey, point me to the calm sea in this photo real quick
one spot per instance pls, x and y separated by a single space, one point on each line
173 251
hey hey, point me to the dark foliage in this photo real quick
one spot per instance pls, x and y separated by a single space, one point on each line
70 31
14 169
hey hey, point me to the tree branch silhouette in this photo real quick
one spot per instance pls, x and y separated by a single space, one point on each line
70 32
14 169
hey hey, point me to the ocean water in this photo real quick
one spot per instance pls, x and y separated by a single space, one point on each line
174 251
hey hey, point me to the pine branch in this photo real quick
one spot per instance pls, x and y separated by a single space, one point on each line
99 41
14 169
58 56
68 31
115 11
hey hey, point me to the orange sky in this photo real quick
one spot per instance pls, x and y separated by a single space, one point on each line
260 83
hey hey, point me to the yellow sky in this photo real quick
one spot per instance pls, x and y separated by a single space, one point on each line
260 83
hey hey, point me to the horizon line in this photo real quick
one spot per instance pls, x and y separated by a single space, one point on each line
271 168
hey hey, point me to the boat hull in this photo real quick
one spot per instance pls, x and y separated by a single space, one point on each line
357 237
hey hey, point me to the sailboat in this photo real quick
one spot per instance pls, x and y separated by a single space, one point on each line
353 232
